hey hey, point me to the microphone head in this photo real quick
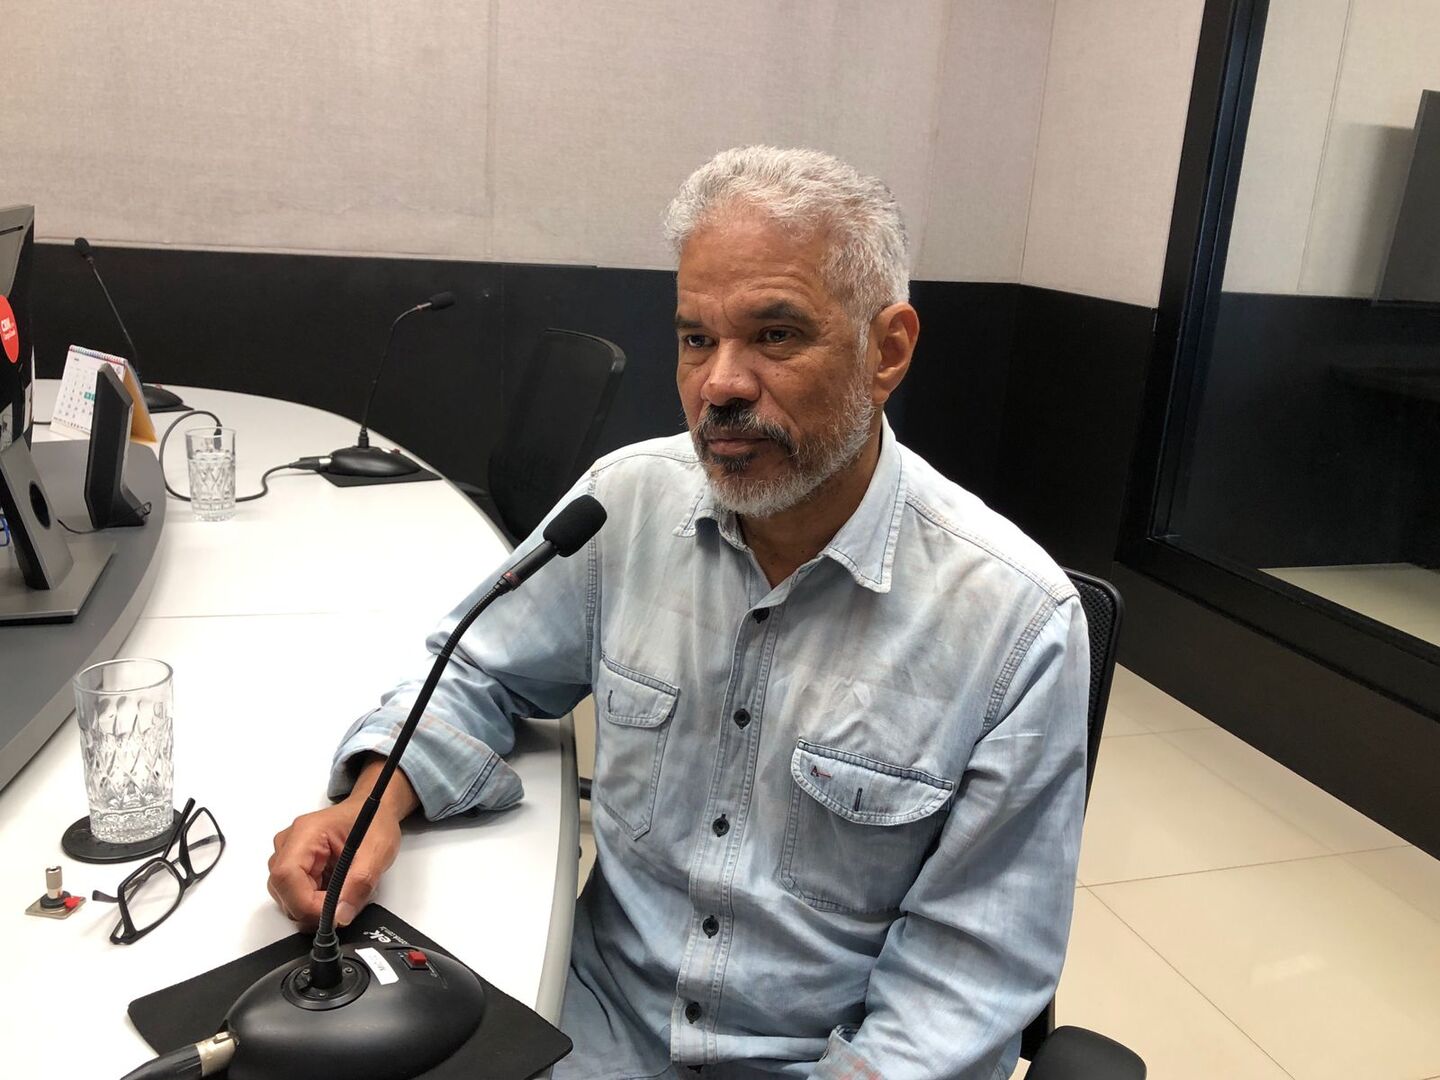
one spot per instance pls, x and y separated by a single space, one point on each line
440 301
82 246
573 527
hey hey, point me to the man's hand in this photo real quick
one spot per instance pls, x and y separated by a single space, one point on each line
306 852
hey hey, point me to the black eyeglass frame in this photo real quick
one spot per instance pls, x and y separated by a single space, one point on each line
181 868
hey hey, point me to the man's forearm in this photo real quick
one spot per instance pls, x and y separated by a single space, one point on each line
399 799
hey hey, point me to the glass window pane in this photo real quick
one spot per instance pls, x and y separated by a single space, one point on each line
1310 453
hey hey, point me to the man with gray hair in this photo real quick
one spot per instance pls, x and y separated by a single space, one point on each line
840 758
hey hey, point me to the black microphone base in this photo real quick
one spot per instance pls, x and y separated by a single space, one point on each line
158 399
370 462
364 1029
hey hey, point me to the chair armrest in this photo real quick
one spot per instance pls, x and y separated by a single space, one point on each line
1072 1053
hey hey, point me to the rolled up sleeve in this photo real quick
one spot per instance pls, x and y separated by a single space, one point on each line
527 656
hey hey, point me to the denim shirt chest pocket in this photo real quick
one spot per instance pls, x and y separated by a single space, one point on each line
635 711
858 829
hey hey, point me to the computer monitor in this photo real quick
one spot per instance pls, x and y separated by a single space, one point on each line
17 345
110 502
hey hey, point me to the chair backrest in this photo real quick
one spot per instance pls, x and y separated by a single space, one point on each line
1104 611
553 426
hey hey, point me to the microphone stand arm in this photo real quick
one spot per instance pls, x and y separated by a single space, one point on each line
134 352
364 440
325 953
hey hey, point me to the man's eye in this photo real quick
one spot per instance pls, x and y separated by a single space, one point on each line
776 335
694 341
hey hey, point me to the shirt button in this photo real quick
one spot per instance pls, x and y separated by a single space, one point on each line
742 717
692 1011
761 615
720 825
711 926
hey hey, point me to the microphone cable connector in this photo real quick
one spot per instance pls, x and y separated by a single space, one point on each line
205 1058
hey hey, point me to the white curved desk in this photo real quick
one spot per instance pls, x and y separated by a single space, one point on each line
283 624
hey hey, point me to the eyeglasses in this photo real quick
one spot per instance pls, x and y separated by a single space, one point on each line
154 890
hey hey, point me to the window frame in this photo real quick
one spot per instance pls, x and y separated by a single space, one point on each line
1372 653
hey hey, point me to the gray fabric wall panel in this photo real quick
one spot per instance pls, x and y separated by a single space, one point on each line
359 126
1391 53
1117 88
554 131
340 126
1328 143
992 81
603 109
1327 147
1285 144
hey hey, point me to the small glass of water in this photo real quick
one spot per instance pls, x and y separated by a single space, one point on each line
210 452
125 713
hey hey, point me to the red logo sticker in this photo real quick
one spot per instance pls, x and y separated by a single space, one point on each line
9 332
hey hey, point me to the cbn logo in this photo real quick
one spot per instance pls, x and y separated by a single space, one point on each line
6 325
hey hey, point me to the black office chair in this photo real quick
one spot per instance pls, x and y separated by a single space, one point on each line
1073 1053
551 429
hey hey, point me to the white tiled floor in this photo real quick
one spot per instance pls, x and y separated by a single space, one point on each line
1236 922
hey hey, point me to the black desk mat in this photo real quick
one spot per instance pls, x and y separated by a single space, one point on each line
340 480
512 1042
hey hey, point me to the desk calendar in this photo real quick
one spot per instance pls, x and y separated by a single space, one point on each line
76 400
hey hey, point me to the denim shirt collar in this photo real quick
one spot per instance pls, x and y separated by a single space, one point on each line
865 544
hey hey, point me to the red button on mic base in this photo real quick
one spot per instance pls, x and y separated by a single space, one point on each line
415 960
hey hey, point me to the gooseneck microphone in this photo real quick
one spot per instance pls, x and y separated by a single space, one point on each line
313 1017
566 534
365 460
157 399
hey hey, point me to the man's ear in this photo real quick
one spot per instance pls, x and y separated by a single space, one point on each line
894 333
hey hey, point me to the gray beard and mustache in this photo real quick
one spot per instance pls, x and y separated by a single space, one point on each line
812 461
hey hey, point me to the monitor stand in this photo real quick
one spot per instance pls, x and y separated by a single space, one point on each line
41 578
21 604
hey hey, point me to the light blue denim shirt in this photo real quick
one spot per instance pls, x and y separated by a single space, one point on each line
837 821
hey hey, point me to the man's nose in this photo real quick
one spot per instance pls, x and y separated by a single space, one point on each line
730 377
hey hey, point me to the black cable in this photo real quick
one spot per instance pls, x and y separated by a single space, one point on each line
144 512
306 464
264 481
191 1062
166 438
182 1064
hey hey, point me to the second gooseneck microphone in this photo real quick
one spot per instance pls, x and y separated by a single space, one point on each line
362 459
157 399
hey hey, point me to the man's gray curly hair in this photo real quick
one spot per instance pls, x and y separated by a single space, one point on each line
867 260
